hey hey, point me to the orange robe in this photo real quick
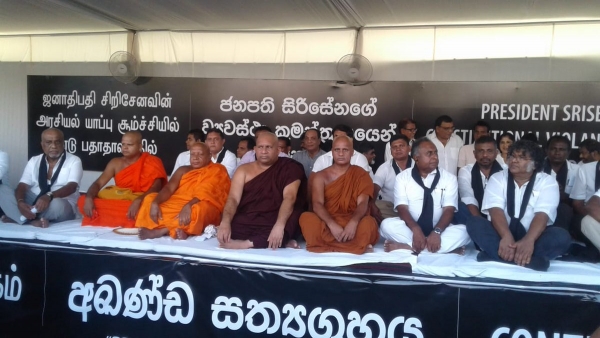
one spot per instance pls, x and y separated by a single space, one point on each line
137 177
209 184
341 198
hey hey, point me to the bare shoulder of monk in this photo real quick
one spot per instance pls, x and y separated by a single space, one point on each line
250 171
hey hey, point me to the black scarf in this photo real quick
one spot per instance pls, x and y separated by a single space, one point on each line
516 228
397 168
43 175
476 183
425 221
597 180
561 176
222 155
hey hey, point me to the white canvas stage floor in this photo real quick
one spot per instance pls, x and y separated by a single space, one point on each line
426 264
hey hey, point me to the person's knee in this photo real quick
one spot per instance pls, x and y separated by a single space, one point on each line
59 209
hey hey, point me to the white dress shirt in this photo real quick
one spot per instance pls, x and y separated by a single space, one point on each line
229 161
408 192
182 159
326 160
584 186
4 164
448 155
544 198
465 155
385 178
572 171
465 190
71 171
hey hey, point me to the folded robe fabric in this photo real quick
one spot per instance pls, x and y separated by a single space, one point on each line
138 178
341 198
260 202
209 184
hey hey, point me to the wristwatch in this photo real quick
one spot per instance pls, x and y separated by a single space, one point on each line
437 230
50 194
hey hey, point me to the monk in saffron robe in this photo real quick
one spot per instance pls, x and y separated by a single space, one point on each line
136 174
265 200
193 198
340 198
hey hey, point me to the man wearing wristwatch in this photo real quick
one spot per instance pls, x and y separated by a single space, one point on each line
425 198
50 184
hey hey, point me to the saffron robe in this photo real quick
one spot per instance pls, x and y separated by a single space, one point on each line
209 184
260 202
341 198
113 202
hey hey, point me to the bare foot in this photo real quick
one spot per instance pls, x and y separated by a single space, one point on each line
181 234
7 219
40 223
154 233
390 246
459 251
292 244
237 244
369 249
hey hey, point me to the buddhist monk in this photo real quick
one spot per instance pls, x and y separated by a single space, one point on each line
340 197
265 200
136 174
193 198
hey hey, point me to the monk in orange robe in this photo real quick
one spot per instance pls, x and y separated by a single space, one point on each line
136 174
340 195
194 198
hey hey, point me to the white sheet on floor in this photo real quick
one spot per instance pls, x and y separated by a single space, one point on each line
441 265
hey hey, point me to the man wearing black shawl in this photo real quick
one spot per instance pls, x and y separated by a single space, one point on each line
521 203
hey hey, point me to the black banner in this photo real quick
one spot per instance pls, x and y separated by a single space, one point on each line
95 111
68 293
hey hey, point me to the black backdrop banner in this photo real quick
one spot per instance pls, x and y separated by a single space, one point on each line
73 293
95 111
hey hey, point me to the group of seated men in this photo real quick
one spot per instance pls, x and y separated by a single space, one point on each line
523 209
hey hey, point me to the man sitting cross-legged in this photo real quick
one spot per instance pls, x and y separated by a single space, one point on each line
340 198
193 198
265 200
136 174
521 202
425 197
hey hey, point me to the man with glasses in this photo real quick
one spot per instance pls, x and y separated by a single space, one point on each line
521 203
406 127
447 143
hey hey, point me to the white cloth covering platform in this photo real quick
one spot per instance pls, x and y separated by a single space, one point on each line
440 265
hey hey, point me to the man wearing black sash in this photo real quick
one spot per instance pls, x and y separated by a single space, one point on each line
50 184
521 203
215 140
385 177
473 178
425 197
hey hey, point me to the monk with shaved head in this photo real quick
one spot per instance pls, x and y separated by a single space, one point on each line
340 221
136 174
265 200
193 198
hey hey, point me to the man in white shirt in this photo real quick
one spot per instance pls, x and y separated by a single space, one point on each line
406 127
447 143
466 152
326 160
565 173
425 197
590 225
589 151
587 183
194 136
521 203
215 140
473 178
50 184
245 145
385 177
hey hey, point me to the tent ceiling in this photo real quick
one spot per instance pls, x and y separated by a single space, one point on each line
77 16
